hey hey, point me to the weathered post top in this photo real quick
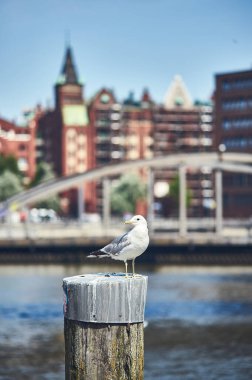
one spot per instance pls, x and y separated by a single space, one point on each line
105 298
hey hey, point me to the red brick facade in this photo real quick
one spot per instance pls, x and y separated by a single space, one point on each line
75 136
20 143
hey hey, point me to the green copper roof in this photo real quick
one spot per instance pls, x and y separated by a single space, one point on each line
75 115
61 79
179 101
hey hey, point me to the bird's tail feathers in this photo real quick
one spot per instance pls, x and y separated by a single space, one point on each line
98 254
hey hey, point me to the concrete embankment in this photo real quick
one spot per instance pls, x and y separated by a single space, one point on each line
26 251
70 243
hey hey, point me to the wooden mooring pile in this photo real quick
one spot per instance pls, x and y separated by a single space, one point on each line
104 336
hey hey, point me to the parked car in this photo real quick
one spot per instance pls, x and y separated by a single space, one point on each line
41 215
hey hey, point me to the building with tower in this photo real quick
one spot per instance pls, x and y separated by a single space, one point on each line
64 132
179 125
65 129
77 136
19 142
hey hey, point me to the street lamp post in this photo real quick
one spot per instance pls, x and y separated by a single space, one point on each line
150 199
219 192
182 201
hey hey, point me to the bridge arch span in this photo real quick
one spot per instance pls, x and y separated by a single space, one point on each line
232 162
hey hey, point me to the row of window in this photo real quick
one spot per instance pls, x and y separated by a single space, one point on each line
240 180
237 200
237 84
237 104
240 142
238 123
106 117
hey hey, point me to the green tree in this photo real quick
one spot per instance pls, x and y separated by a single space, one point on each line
9 185
126 193
10 177
174 192
9 163
44 173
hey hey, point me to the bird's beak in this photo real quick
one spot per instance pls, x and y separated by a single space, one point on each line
128 222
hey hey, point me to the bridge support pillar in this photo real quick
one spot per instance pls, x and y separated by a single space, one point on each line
106 210
219 203
9 223
81 207
182 201
27 225
150 199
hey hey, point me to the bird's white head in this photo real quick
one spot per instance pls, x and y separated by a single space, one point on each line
137 220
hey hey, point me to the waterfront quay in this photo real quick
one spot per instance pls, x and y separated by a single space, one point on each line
71 242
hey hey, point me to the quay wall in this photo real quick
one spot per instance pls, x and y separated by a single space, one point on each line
75 252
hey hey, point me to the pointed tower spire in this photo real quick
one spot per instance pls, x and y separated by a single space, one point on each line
68 76
68 73
177 95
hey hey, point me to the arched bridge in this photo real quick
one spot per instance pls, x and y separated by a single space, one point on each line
231 162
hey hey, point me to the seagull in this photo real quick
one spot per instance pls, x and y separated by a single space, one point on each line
129 245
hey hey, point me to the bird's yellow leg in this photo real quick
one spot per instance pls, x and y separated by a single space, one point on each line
126 268
133 269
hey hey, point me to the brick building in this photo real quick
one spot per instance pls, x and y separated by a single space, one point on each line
136 129
64 133
179 125
19 142
65 130
233 128
137 123
105 124
76 136
121 131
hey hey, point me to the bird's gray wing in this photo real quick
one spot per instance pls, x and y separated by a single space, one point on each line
117 245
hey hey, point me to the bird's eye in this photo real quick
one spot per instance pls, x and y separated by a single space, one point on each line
138 218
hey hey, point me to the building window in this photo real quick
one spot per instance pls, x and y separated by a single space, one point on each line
237 123
115 116
104 98
237 104
71 134
22 164
71 147
238 142
22 147
81 140
236 84
81 154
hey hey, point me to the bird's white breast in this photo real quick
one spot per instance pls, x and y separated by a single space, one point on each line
139 241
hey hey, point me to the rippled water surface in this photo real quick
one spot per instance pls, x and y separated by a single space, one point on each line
199 322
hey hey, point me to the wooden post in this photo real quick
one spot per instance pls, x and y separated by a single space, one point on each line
104 316
182 201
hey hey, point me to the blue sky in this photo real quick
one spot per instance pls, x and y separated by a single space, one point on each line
124 45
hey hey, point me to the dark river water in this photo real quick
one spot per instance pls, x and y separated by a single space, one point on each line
199 322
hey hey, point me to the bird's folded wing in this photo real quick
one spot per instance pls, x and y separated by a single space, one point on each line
117 245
